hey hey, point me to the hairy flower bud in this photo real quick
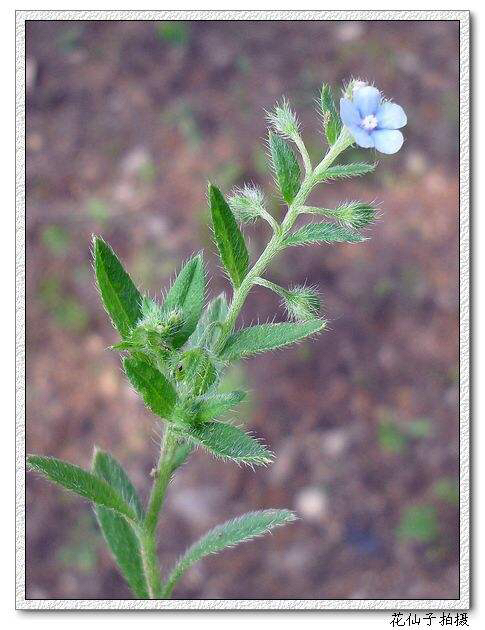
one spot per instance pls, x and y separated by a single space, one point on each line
301 302
247 203
284 120
356 214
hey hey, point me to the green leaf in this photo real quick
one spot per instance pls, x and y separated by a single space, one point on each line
108 468
207 330
187 294
196 370
265 337
229 239
229 534
157 392
323 233
331 117
81 482
118 533
228 442
210 407
181 454
120 297
285 166
342 171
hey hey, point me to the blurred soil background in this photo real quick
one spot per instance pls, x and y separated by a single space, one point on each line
126 123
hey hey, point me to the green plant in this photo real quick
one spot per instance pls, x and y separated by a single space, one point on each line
176 352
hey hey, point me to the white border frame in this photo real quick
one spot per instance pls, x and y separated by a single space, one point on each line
298 604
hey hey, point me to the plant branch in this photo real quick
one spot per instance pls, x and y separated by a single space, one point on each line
147 534
276 243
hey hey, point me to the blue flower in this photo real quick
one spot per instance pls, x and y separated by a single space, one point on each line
374 123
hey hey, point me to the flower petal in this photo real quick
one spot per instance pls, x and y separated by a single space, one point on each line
348 113
362 137
367 100
391 116
387 140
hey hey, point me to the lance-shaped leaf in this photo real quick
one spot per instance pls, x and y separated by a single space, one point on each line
331 118
323 233
207 329
343 171
229 534
81 482
226 441
120 296
108 468
256 339
285 166
229 239
118 533
187 294
157 392
209 407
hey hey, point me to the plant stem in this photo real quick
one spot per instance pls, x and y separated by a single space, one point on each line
276 243
148 531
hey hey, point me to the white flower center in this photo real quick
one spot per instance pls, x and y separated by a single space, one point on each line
369 122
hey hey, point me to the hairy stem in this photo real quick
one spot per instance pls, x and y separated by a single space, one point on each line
276 243
148 531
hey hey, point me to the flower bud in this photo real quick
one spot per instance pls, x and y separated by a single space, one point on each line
356 214
301 302
246 203
284 120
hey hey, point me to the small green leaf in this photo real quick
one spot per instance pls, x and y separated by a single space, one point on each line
157 392
120 296
187 294
196 370
208 328
229 239
181 454
265 337
210 407
118 533
331 118
228 442
285 166
229 534
342 171
81 482
323 233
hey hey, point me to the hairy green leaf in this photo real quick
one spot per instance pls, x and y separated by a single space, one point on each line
342 171
108 468
118 533
210 407
81 482
229 239
285 166
228 442
331 117
208 328
229 534
157 392
323 233
196 370
181 454
265 337
120 296
187 294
